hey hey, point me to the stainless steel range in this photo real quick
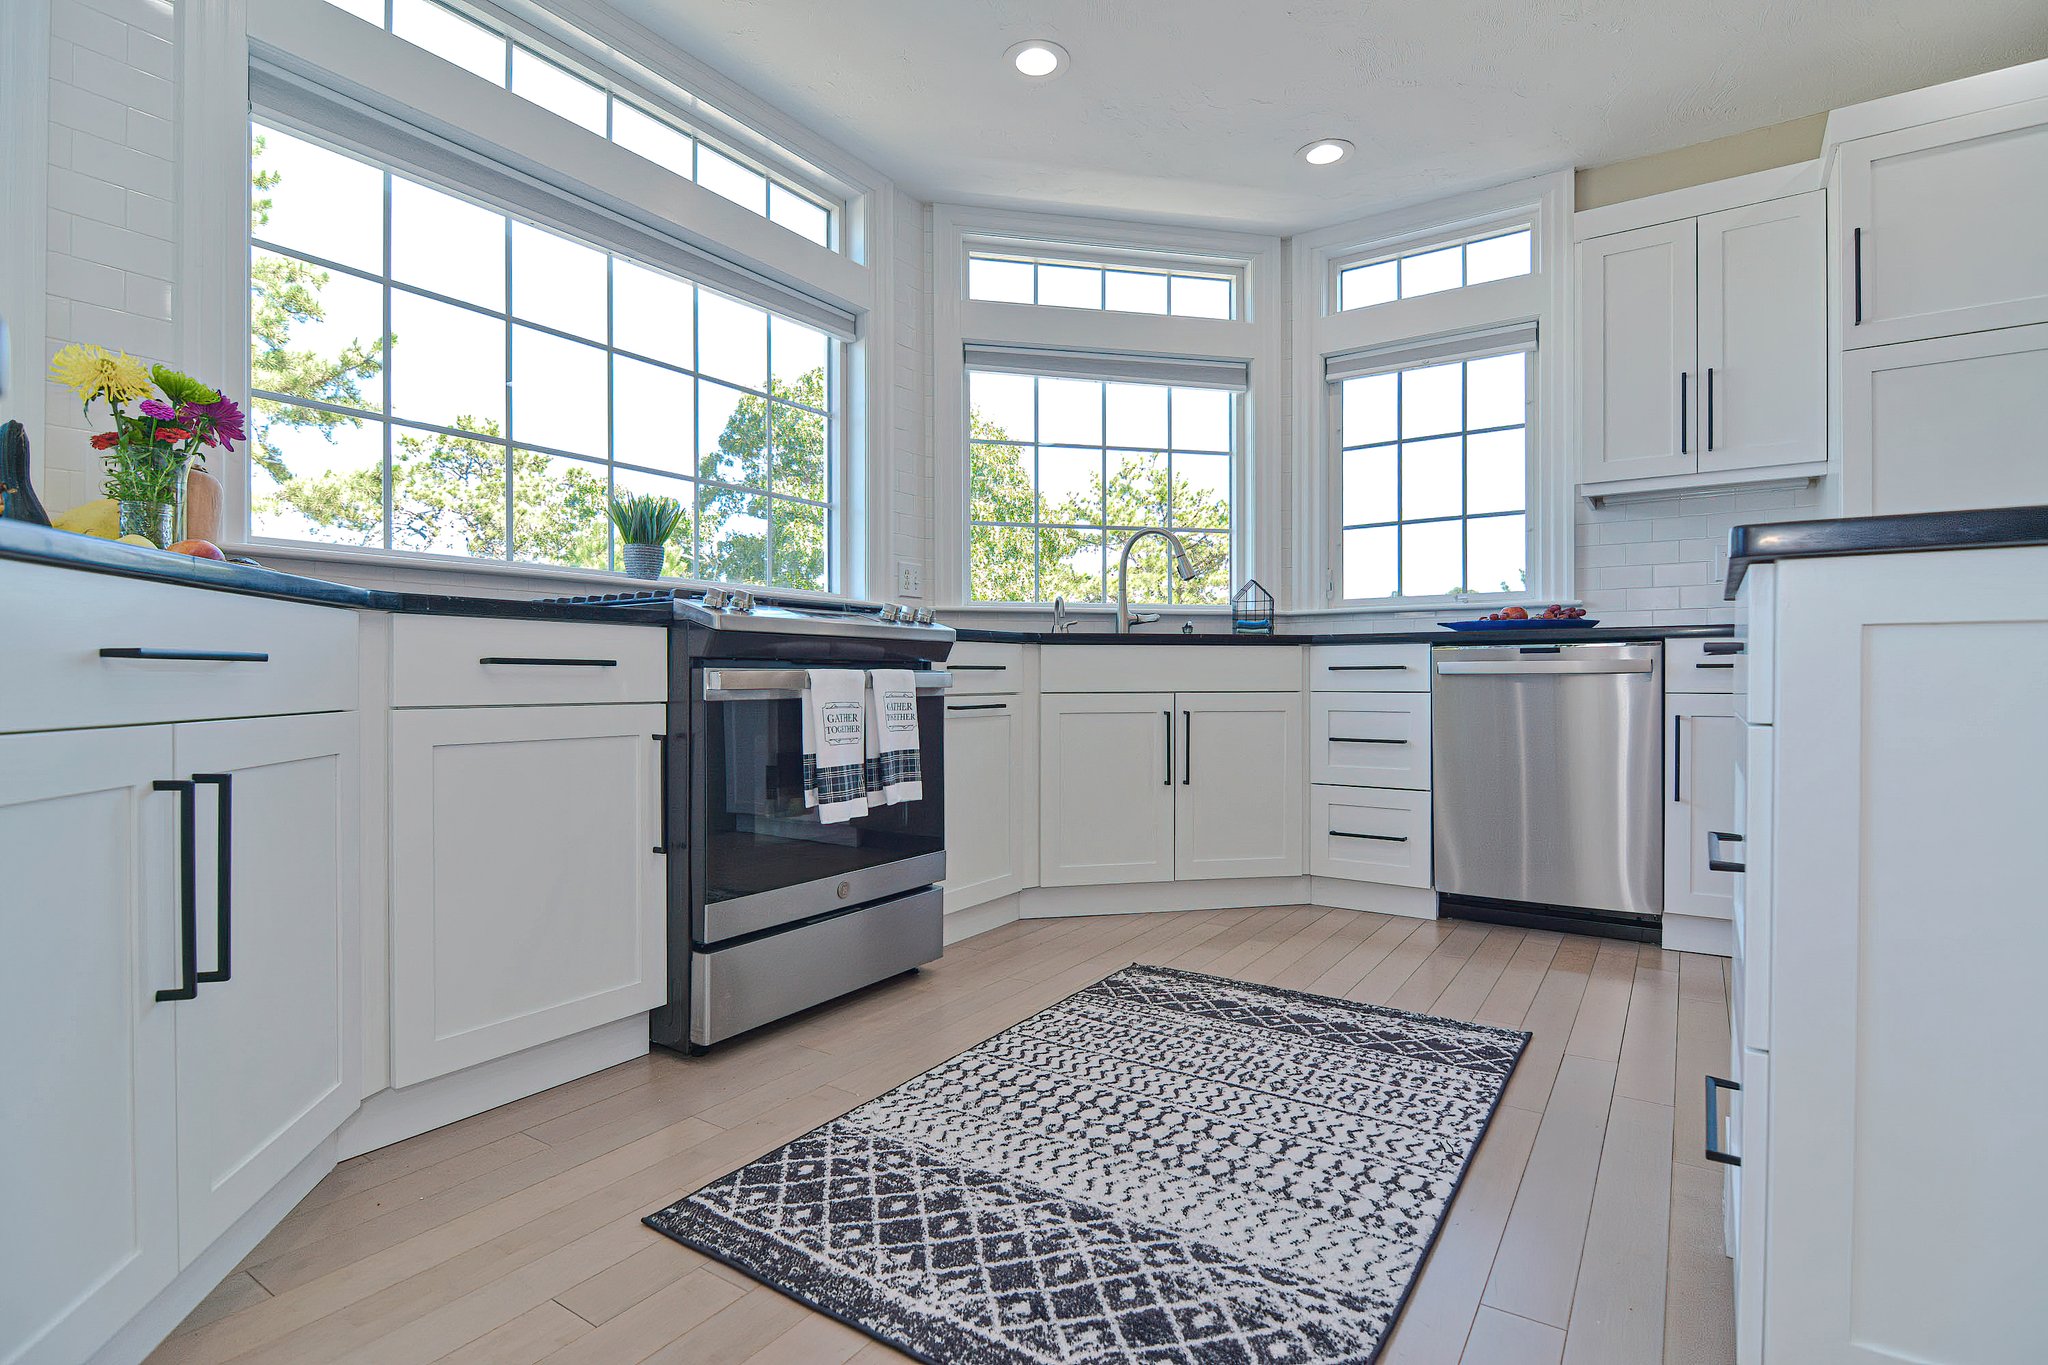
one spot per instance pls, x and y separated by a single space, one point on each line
770 911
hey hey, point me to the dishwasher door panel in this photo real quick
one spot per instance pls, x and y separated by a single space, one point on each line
1548 771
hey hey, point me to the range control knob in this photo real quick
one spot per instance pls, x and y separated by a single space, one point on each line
891 612
739 599
714 598
923 616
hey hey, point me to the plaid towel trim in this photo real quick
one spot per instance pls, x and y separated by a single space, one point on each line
898 765
844 782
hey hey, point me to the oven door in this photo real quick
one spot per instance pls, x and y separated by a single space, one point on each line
762 859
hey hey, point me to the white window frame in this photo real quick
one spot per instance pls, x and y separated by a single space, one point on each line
1321 331
1254 338
393 78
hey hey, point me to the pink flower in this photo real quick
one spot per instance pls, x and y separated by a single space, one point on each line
158 410
224 421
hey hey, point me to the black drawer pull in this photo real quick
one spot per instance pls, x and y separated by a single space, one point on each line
1856 271
1706 665
224 919
661 829
1169 748
200 656
1677 756
1723 647
982 706
1684 412
1380 838
552 663
1714 1152
1367 668
1718 864
1342 739
188 889
979 668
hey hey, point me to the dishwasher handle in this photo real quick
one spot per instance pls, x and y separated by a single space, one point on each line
1536 667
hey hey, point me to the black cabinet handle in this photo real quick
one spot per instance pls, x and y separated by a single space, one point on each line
1724 647
979 668
1380 838
1340 739
1187 754
1713 665
1856 273
1677 755
1367 668
188 889
1714 1152
981 706
1710 407
1717 864
552 663
661 741
1169 748
224 856
1684 411
203 656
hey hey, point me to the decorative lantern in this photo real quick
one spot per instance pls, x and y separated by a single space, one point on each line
1251 610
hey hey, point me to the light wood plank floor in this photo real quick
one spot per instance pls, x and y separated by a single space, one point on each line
1588 1230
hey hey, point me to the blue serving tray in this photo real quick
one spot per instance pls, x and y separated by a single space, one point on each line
1532 623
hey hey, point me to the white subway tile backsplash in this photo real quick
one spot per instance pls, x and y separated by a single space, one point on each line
86 110
1653 552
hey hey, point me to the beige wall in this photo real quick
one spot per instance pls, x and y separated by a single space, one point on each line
1781 144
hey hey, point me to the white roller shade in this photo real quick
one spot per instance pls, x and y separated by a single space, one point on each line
1234 375
297 100
1520 336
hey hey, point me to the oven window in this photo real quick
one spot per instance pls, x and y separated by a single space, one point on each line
757 836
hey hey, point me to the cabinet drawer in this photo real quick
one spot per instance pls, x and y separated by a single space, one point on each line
1370 739
1368 668
1711 666
1749 1123
1369 834
487 661
196 654
1169 668
984 668
1754 893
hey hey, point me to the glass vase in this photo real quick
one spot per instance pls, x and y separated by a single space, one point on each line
155 522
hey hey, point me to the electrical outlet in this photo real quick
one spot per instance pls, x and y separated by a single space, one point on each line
909 578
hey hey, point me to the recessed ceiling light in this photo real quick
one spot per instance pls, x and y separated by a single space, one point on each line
1037 58
1325 151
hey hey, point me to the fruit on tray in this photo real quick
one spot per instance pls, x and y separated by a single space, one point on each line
1553 612
101 518
198 549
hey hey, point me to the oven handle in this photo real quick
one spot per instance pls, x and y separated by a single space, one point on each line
787 684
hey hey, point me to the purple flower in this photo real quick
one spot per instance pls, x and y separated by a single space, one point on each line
158 410
224 422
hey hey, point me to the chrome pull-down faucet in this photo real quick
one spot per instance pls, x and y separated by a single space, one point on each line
1181 563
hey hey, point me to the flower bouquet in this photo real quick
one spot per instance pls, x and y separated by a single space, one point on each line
151 450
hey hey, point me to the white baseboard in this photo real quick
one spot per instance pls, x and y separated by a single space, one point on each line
1697 934
1381 899
1142 898
979 919
393 1115
147 1329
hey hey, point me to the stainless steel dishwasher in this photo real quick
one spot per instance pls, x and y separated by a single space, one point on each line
1548 791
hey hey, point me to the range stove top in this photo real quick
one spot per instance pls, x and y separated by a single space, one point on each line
737 609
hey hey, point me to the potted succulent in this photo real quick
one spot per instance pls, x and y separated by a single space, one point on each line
645 523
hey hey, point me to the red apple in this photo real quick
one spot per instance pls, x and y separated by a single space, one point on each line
198 549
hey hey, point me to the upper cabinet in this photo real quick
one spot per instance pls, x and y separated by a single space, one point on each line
1703 348
1940 227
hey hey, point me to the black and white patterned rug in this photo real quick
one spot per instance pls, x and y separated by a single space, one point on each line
1162 1167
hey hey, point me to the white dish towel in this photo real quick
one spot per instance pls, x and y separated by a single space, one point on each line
895 767
835 746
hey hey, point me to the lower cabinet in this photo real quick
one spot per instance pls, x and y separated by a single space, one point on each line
181 1034
1370 834
1705 738
1164 786
991 799
529 892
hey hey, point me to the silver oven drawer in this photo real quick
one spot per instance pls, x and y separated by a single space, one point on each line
752 983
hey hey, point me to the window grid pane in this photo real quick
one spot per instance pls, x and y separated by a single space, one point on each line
1056 485
1433 270
993 278
393 416
1410 523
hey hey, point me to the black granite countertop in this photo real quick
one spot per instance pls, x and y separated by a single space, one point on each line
1540 635
1990 529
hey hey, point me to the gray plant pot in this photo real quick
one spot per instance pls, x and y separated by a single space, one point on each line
643 561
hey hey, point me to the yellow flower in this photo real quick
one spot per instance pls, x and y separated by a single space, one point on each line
93 371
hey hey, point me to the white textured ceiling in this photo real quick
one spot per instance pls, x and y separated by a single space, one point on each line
1190 110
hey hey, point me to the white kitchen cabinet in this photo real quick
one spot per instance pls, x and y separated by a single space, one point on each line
1369 739
88 1111
1703 344
1238 805
1370 834
1106 788
1763 334
1946 424
267 1056
991 798
1939 227
1705 736
528 895
1639 353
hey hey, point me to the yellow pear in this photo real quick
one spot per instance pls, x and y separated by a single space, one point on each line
102 518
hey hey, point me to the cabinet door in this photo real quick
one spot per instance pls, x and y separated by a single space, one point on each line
268 1055
1763 334
1940 227
1106 785
1639 351
527 901
88 1179
1907 1037
1239 801
1706 737
1946 425
991 800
